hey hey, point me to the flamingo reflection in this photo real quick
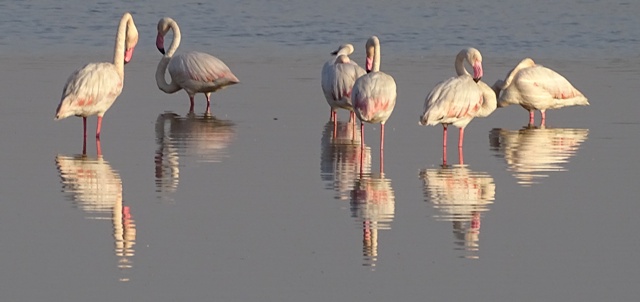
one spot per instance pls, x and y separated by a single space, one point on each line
340 157
461 196
95 188
373 206
204 137
531 153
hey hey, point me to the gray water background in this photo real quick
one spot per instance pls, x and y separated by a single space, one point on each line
260 204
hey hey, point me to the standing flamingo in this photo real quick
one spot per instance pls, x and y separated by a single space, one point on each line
535 87
338 76
374 94
92 89
195 72
458 100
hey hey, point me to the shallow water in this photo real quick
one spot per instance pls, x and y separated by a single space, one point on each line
262 203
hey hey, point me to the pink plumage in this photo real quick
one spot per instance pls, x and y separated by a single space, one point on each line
338 76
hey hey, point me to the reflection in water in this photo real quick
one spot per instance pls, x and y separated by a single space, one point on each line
373 205
340 157
203 137
94 187
531 152
460 195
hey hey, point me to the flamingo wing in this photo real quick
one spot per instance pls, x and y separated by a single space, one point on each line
196 71
90 90
454 100
541 81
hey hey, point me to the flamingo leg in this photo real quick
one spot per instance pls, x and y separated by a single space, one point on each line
335 129
98 148
460 156
99 127
361 147
192 104
84 126
208 103
544 118
444 144
381 148
531 118
461 138
352 117
332 115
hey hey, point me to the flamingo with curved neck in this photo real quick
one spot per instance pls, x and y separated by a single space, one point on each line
535 87
458 100
92 89
374 95
195 72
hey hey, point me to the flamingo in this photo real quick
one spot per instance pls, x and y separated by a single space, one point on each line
195 72
458 100
92 89
535 87
338 76
374 94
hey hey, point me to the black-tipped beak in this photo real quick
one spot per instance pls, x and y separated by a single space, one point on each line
477 79
334 52
161 50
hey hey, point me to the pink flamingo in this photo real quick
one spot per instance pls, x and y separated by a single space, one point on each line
535 87
458 100
195 72
92 89
374 95
338 76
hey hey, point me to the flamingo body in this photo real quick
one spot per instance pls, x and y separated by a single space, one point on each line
535 87
195 72
338 76
458 100
92 89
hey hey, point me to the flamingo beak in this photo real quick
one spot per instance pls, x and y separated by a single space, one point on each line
369 65
160 43
128 54
477 71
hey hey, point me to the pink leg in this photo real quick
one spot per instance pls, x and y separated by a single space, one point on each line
460 156
332 114
208 103
352 116
84 126
99 127
98 148
531 118
381 148
192 105
444 144
544 118
461 138
335 129
361 148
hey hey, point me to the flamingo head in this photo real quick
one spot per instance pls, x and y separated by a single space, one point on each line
160 43
344 49
164 25
477 71
371 49
130 41
474 58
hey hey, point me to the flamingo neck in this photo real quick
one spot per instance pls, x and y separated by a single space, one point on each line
175 42
119 48
525 63
375 60
460 70
161 80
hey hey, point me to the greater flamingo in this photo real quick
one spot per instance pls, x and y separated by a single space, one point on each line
93 88
195 72
374 95
535 87
458 100
338 76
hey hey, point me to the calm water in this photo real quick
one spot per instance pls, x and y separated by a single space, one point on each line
266 201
